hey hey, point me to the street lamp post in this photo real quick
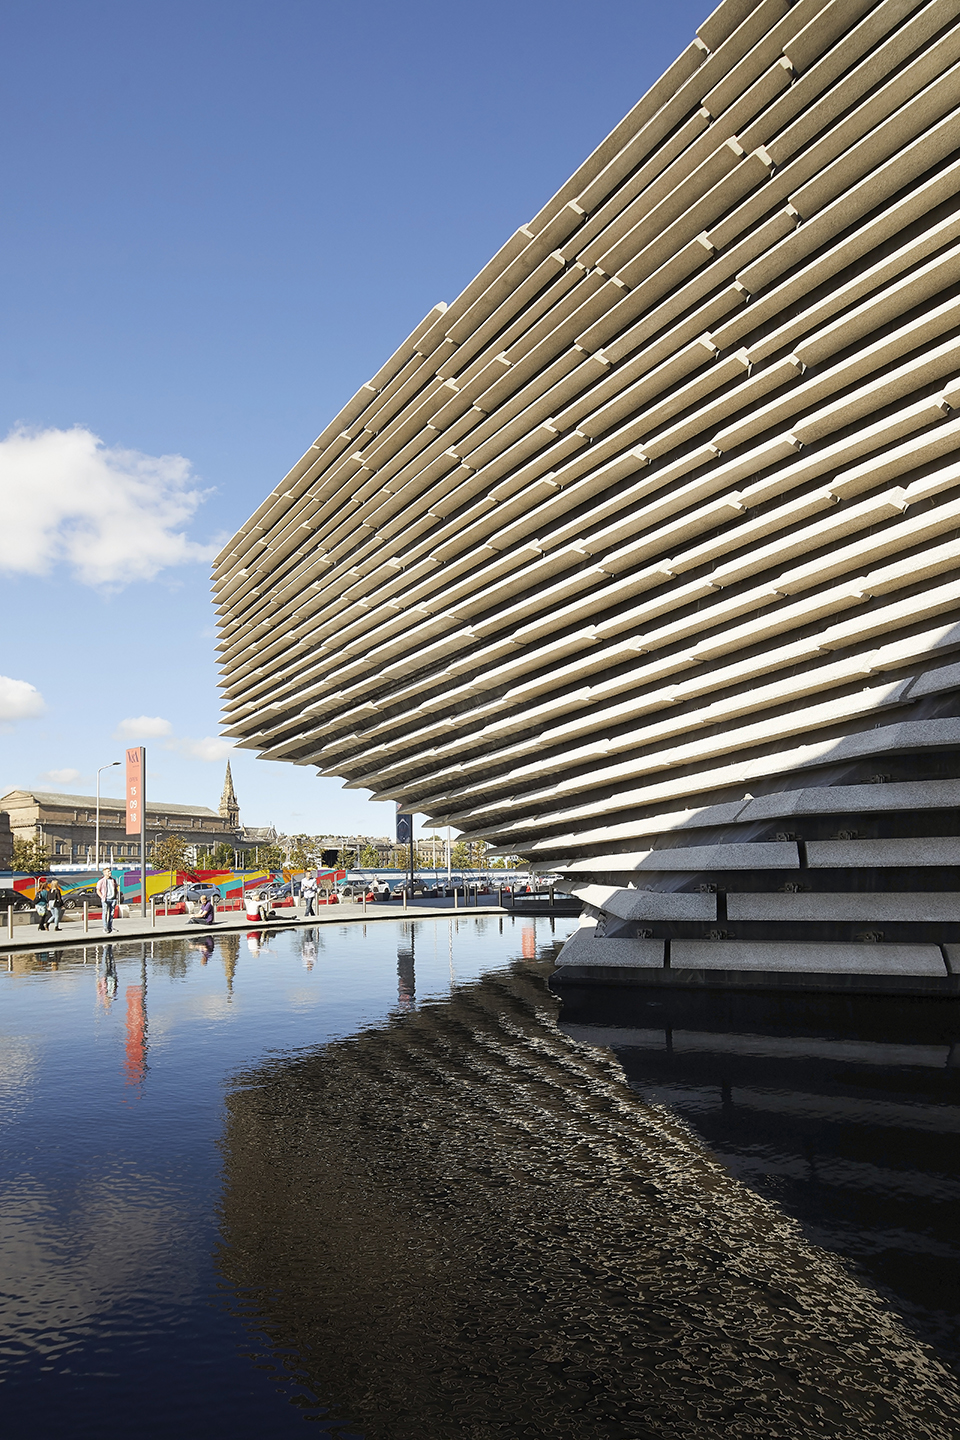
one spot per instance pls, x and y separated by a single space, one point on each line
97 841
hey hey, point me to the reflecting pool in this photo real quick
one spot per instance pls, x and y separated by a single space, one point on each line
357 1177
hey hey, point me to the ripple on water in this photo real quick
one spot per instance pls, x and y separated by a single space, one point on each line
465 1223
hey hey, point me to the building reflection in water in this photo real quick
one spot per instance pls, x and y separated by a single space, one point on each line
228 944
466 1222
843 1109
406 968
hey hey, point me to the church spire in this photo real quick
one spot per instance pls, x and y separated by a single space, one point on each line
229 804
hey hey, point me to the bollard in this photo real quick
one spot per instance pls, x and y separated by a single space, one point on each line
404 897
153 912
86 917
456 898
9 922
364 902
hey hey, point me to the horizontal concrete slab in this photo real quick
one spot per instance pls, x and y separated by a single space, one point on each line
811 956
851 799
869 906
922 850
763 855
628 904
583 948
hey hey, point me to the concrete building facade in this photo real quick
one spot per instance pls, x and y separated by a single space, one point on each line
640 558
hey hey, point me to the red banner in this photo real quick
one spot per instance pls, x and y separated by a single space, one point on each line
134 789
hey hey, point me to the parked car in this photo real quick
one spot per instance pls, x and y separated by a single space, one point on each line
13 897
75 899
277 890
183 893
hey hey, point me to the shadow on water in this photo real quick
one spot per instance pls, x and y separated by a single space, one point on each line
465 1222
844 1110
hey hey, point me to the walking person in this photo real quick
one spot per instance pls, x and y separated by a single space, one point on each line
41 903
56 903
109 894
309 892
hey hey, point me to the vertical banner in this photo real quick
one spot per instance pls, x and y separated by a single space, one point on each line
405 837
137 811
134 790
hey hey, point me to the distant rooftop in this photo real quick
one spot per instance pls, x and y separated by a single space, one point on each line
107 802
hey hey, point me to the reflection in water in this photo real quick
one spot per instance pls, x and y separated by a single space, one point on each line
845 1110
107 979
465 1222
406 968
136 1047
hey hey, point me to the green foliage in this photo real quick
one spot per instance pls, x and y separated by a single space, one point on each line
31 857
470 855
370 857
268 857
170 853
301 853
221 857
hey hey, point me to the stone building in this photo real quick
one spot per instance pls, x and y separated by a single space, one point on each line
66 825
639 559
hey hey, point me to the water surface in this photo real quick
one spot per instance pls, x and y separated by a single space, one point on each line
357 1178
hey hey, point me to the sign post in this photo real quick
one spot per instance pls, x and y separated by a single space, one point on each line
405 836
137 812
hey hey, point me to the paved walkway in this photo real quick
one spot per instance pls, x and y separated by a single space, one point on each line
28 937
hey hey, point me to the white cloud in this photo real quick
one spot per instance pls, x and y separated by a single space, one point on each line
142 727
154 727
19 700
110 516
60 777
209 748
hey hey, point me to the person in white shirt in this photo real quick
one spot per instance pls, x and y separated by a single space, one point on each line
257 905
109 893
309 892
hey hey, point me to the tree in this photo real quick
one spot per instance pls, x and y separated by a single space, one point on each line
170 853
469 854
300 854
269 857
370 856
221 857
30 857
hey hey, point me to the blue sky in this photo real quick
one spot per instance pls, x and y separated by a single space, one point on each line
219 220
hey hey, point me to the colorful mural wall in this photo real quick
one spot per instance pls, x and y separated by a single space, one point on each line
80 885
